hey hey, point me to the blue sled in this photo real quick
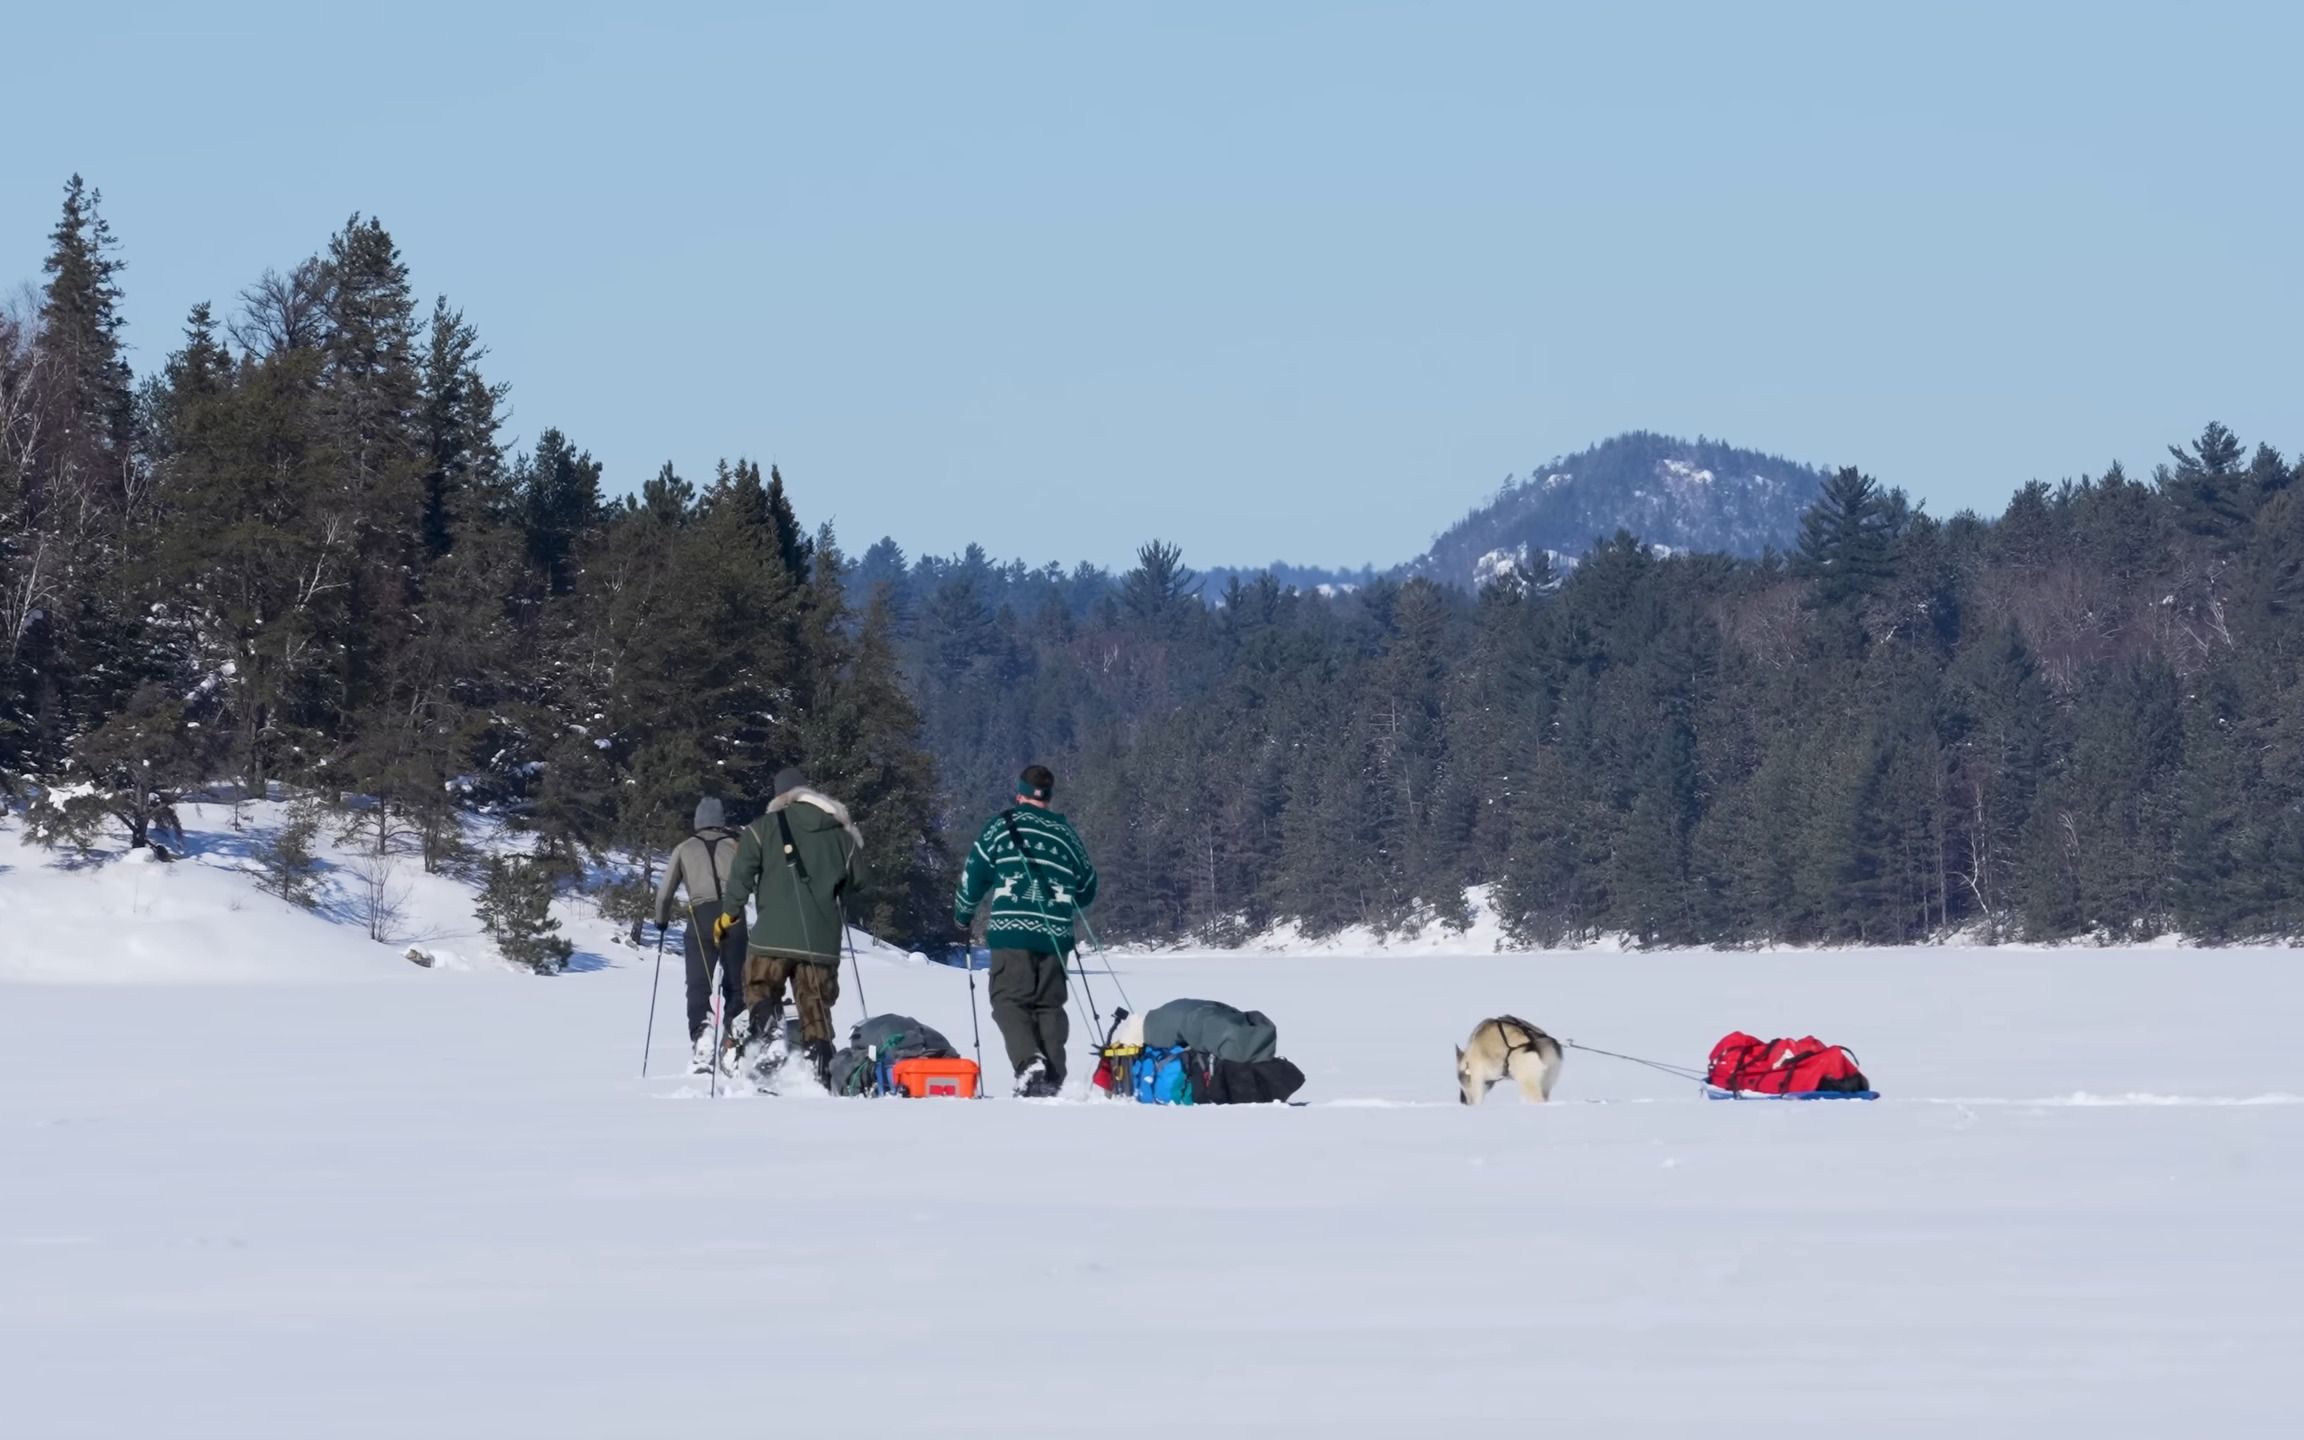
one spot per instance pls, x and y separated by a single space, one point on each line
965 957
1714 1092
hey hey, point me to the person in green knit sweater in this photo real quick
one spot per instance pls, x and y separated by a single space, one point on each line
1033 876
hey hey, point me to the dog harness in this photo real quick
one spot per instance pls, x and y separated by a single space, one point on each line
1527 1040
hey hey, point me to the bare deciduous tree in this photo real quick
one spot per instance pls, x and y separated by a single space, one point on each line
280 312
380 895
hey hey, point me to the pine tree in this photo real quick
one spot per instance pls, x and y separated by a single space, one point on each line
667 499
1407 720
2213 492
515 909
371 449
863 735
140 765
255 560
73 480
89 427
291 866
743 612
560 487
1845 552
1161 587
460 421
1998 724
2112 806
792 545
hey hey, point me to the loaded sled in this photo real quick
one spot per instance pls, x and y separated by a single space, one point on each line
898 1055
1745 1067
1195 1052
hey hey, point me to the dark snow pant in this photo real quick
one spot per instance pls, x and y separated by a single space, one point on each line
697 948
814 989
1028 1006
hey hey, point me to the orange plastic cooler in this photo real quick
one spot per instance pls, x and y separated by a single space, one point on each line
923 1078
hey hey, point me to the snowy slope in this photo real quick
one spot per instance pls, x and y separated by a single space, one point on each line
344 1196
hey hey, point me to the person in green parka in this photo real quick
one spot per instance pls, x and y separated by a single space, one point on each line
1032 873
795 864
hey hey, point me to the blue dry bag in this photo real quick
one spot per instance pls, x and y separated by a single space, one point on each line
1164 1077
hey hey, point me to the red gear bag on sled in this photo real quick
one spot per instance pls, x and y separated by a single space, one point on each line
1805 1068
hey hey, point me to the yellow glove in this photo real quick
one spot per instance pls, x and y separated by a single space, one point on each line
720 928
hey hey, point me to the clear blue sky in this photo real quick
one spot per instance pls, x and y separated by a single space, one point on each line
1271 280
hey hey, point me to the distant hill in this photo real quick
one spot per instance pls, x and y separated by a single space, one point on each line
1697 495
1675 494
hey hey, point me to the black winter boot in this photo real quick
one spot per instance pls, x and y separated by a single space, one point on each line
820 1060
1033 1081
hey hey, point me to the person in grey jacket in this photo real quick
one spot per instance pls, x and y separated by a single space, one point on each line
699 865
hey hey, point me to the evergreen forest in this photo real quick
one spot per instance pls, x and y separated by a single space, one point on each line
302 553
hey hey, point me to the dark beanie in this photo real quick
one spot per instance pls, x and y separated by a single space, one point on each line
790 778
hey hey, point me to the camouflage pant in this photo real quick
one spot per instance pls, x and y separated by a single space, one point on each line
814 988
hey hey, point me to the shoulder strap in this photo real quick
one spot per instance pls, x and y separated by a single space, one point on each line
713 837
1016 838
791 847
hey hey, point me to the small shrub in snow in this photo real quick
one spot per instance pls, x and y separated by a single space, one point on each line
627 901
516 910
291 868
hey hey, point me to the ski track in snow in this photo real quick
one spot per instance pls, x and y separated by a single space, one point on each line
261 1177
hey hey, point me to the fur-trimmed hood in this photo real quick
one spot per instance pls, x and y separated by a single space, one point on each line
817 799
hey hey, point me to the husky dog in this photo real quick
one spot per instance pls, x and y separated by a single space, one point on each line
1502 1048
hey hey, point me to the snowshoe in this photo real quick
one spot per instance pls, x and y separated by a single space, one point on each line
766 1058
700 1055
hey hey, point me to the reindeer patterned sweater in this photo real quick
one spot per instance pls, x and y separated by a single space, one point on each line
1030 906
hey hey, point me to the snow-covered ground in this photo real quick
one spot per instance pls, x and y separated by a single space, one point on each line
260 1176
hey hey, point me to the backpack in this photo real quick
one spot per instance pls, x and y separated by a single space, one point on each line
1747 1065
879 1043
851 1072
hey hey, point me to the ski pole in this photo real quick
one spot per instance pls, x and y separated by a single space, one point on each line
719 1016
1080 961
1089 1018
855 966
975 1026
653 986
1081 916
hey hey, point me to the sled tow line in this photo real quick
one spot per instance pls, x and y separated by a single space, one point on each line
1678 1072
